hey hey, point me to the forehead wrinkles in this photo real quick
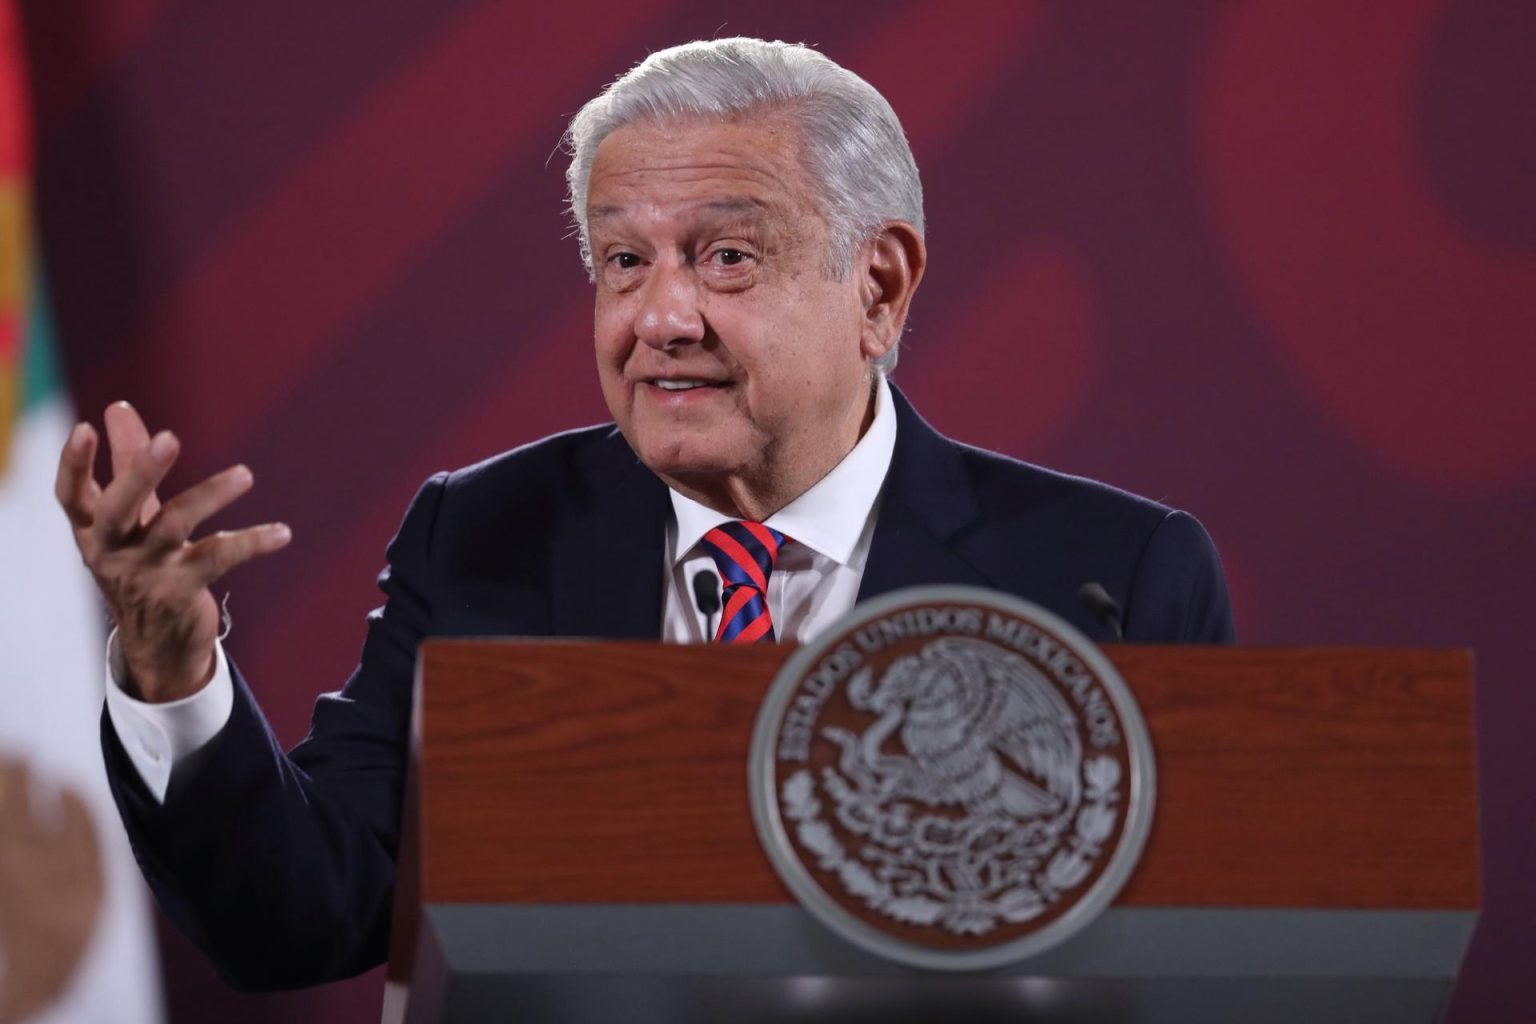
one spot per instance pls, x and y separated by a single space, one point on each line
709 190
683 170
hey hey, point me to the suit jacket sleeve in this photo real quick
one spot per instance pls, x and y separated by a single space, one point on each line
281 866
1178 593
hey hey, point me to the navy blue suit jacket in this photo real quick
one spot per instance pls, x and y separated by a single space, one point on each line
282 866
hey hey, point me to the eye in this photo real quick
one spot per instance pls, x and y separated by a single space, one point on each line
726 256
624 260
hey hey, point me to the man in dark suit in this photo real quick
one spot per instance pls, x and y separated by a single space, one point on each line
752 219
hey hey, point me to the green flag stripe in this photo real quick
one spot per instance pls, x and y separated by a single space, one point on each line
40 373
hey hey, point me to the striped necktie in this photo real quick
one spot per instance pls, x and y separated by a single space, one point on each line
744 553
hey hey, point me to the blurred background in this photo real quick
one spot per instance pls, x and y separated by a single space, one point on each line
1270 261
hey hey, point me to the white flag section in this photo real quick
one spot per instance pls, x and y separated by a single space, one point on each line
51 677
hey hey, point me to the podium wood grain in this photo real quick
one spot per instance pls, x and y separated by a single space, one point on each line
1333 778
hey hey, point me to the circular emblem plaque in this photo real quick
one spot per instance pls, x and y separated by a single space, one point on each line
952 778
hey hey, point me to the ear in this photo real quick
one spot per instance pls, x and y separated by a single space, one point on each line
890 268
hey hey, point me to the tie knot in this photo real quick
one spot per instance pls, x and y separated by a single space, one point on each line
744 553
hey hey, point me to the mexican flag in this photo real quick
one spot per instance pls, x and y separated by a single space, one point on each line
76 942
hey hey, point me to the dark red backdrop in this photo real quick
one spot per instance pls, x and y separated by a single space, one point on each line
1273 261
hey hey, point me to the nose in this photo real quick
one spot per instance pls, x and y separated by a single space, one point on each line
668 314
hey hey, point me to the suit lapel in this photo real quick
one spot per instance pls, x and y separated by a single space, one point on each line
609 581
925 508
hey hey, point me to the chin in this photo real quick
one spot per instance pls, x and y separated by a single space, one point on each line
691 469
687 460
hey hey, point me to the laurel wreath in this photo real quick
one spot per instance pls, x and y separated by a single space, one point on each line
963 912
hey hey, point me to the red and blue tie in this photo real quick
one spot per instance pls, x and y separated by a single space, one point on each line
744 553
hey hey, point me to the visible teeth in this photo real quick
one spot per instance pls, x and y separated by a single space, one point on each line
681 385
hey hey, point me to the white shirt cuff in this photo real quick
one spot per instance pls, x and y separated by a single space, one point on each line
159 738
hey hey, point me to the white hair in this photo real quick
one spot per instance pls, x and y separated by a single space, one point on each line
852 144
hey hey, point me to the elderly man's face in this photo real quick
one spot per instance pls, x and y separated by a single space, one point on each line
736 366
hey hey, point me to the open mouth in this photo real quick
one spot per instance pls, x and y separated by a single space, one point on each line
683 384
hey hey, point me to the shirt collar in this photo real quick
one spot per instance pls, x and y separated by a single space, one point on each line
830 516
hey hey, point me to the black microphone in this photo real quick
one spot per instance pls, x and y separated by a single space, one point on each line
1097 600
706 595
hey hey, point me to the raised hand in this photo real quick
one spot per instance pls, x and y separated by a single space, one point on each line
152 574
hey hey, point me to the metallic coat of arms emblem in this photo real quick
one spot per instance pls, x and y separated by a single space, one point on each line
952 778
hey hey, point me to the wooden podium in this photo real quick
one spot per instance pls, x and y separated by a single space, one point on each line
579 847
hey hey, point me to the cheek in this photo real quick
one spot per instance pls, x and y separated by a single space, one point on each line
610 339
829 345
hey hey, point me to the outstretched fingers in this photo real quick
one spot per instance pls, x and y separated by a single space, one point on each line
215 555
122 507
127 437
75 486
177 518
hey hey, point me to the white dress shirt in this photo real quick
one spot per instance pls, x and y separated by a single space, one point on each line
817 575
814 582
